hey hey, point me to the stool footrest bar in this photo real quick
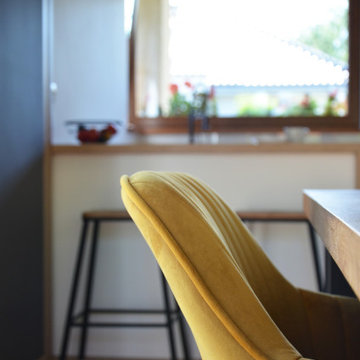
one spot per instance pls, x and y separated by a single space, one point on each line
132 311
120 324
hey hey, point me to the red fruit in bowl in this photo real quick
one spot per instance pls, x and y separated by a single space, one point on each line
111 129
93 135
83 135
105 135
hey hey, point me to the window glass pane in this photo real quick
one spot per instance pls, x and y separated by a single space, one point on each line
248 58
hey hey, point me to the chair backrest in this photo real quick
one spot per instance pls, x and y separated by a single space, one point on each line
236 302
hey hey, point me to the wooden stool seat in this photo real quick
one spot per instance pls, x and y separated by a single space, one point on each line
107 215
244 215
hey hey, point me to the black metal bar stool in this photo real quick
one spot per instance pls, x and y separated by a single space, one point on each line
82 319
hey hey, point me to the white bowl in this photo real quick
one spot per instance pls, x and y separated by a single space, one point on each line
295 133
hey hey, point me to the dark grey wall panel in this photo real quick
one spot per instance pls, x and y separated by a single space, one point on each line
21 152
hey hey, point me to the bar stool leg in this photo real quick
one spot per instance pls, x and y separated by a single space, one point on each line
74 289
315 256
89 286
182 333
168 317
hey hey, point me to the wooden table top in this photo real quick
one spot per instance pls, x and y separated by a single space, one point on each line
244 215
335 215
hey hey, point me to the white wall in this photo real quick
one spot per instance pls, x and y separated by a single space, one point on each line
89 63
127 274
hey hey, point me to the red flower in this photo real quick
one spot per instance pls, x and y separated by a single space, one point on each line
174 89
212 92
188 84
306 101
332 95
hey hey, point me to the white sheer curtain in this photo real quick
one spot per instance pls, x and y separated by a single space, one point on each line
151 57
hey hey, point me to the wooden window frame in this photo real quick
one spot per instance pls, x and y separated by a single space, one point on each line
350 122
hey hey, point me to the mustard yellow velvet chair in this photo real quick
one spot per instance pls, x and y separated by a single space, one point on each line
236 302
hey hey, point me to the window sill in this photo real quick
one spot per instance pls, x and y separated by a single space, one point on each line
215 143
